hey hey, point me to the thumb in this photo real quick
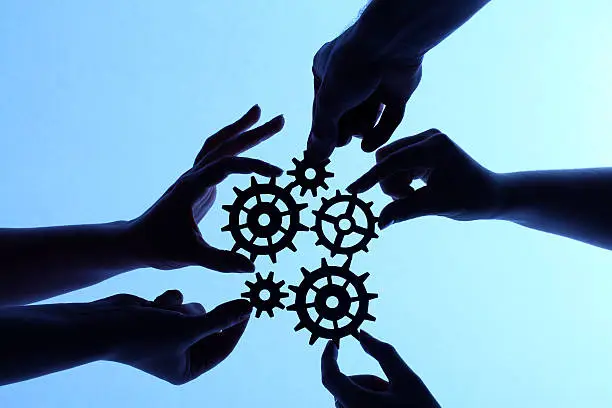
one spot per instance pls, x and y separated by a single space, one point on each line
223 261
223 317
417 204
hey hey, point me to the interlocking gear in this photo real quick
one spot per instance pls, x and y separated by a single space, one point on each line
273 289
332 291
255 218
345 224
302 179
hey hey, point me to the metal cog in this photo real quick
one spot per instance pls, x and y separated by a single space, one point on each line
253 222
275 294
367 232
331 290
309 183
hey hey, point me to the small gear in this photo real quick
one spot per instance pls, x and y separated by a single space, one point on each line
330 291
273 289
345 224
306 182
264 219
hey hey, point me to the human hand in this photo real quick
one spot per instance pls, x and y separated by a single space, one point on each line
168 339
357 95
166 236
457 186
404 388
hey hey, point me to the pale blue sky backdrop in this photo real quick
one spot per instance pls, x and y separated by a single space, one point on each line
104 103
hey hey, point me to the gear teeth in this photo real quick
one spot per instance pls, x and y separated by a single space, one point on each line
305 182
370 318
325 214
304 271
274 288
246 235
226 207
329 275
347 265
325 186
293 288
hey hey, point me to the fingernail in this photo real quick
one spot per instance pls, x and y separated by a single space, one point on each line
240 308
254 107
384 224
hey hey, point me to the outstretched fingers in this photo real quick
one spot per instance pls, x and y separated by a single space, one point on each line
244 141
229 132
419 203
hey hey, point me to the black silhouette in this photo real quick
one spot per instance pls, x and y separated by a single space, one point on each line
271 210
364 77
273 290
166 338
403 389
345 224
333 291
303 181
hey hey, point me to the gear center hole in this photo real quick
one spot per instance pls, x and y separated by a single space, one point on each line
332 302
345 224
310 174
264 220
264 294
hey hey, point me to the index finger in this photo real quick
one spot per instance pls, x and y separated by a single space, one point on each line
341 90
338 384
401 160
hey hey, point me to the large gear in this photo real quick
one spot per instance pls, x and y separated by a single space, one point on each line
266 209
331 290
273 289
345 224
302 180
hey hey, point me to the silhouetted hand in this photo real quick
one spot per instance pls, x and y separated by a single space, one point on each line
457 187
404 388
167 235
351 91
173 341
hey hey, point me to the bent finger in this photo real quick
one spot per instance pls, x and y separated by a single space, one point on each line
418 204
390 361
339 385
391 118
216 172
221 260
391 148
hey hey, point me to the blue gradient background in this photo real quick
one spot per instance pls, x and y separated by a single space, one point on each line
104 104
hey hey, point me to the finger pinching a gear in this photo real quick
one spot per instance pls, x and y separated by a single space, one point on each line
275 221
309 175
340 308
345 224
267 286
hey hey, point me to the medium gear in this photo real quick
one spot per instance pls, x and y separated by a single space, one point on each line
329 291
345 224
264 209
275 295
309 183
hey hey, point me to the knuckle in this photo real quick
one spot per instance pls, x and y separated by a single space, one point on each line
441 138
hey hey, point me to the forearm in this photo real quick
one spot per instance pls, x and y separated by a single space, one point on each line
37 340
572 203
404 30
38 263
